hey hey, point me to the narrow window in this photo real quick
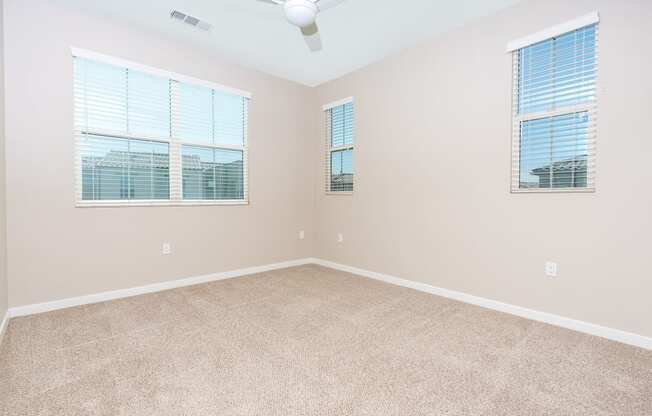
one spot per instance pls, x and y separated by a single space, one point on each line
554 111
339 146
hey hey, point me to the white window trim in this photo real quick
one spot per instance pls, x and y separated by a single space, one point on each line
590 108
174 143
337 103
329 149
551 32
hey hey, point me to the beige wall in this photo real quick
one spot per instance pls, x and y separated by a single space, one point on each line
3 236
58 251
432 162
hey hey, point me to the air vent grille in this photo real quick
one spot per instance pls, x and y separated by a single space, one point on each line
190 20
177 15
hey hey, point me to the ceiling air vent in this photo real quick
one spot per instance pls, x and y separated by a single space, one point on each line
177 15
190 20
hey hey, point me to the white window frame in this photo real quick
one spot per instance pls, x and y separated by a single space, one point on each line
590 108
174 143
330 149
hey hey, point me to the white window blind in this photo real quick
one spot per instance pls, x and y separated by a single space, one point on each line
339 146
146 138
554 112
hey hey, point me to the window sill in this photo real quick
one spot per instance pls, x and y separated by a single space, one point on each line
554 191
339 193
115 204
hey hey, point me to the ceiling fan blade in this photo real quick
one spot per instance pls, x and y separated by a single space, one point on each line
271 1
327 4
312 38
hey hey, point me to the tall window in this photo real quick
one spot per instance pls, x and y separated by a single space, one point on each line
144 136
554 107
339 146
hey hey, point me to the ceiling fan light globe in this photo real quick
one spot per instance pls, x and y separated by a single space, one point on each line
301 13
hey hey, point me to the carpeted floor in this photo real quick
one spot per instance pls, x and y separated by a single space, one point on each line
310 341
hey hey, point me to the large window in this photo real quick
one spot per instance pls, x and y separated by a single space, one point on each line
554 106
339 146
144 136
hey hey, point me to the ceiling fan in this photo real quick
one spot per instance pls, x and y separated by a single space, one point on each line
303 13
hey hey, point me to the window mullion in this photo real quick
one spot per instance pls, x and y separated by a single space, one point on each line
552 124
176 159
212 116
341 148
214 197
554 113
210 146
128 163
127 101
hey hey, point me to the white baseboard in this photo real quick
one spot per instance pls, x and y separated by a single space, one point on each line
580 326
3 326
140 290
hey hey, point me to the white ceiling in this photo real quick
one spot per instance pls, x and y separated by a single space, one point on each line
355 33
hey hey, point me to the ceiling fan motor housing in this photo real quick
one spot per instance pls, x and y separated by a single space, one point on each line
301 13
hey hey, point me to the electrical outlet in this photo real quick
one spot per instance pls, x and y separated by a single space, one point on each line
166 249
302 235
340 238
552 269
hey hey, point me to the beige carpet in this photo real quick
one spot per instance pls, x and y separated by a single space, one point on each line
310 341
